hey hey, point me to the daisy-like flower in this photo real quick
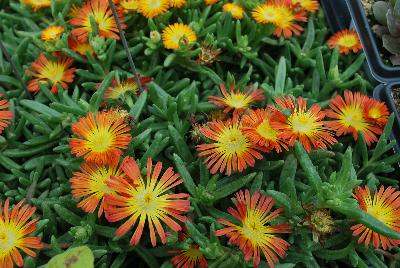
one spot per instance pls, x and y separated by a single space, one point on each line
305 125
283 14
210 2
153 8
14 234
231 150
129 6
37 4
5 114
90 183
308 5
51 33
236 100
191 257
235 10
255 233
177 3
117 90
384 205
79 47
146 201
347 40
376 111
101 139
102 14
348 115
176 33
257 126
55 71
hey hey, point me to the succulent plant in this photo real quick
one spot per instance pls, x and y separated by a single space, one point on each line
387 14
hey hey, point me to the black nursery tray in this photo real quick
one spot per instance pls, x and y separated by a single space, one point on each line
379 70
337 14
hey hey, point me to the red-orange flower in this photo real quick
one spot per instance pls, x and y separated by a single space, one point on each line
14 232
347 40
308 5
376 111
255 234
149 201
79 47
283 14
55 71
236 100
349 117
305 125
385 207
102 15
189 258
5 115
91 183
231 150
257 126
101 138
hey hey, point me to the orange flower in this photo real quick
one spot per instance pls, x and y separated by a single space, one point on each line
118 90
305 125
153 8
102 15
37 4
51 33
56 71
191 257
283 14
257 126
232 149
148 201
237 101
177 3
308 5
101 138
235 10
376 111
255 234
210 2
350 117
14 233
79 47
90 183
347 40
5 115
384 206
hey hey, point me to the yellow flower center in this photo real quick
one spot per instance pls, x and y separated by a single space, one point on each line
147 202
348 40
253 228
237 100
374 113
99 140
193 253
381 214
8 239
353 116
154 4
266 131
98 182
302 123
269 14
53 71
232 141
284 17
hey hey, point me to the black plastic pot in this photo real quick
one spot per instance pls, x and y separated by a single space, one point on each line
337 14
384 93
379 70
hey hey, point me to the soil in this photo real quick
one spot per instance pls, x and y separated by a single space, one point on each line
396 97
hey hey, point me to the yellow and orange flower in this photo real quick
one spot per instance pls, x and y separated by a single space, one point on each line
308 5
176 33
153 8
255 234
349 117
236 101
55 71
5 114
376 112
177 3
102 14
129 6
101 139
347 40
305 125
235 10
149 201
118 90
37 4
191 257
79 47
384 206
14 232
257 126
283 14
231 150
91 183
210 2
51 33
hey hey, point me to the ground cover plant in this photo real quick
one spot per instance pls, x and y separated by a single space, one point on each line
248 138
